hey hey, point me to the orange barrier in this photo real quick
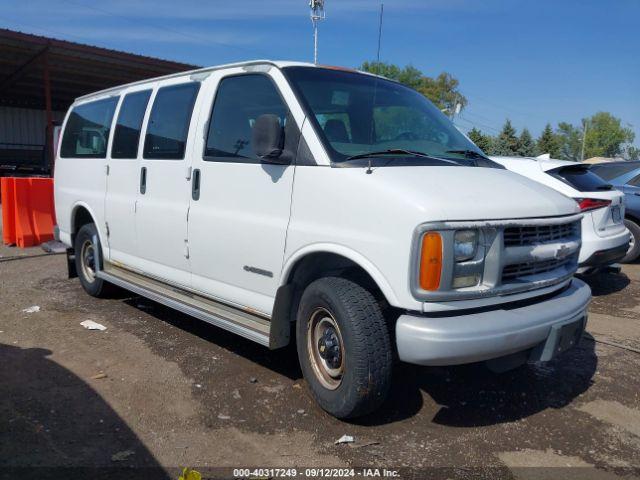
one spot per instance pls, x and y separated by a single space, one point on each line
7 189
28 213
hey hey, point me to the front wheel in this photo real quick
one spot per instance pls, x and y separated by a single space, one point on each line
344 347
87 249
634 245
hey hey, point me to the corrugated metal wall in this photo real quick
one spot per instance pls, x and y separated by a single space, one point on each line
24 125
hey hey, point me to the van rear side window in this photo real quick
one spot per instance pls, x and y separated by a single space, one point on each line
127 132
87 131
168 126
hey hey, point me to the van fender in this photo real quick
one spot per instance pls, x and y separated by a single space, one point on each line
354 256
74 209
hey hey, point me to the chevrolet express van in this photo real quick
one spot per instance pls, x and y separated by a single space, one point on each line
287 202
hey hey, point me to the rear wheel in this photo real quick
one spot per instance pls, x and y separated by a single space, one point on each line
344 347
87 250
634 246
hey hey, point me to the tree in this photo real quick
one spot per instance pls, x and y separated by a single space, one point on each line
605 136
441 90
632 153
409 75
526 145
484 142
548 142
507 143
570 142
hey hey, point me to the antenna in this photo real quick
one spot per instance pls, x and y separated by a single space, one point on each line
380 34
317 14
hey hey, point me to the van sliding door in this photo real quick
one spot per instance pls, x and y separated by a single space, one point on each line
122 180
164 186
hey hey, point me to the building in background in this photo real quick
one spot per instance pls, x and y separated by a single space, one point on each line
40 77
594 160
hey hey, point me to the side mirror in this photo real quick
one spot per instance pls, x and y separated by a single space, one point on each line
267 139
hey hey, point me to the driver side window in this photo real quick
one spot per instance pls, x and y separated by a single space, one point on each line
239 101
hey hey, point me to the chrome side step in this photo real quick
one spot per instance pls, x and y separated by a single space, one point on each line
245 324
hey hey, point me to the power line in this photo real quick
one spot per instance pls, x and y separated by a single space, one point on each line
166 29
501 107
473 114
478 124
61 35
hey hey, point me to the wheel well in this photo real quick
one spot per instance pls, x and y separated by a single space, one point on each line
324 264
81 216
633 218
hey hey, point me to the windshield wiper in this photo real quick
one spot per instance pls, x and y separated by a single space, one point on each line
468 153
398 151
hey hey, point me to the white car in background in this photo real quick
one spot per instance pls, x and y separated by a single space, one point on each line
605 239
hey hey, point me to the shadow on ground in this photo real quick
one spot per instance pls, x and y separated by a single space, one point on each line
283 361
54 425
466 396
606 283
471 395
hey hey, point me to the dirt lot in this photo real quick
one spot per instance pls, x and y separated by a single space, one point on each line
160 390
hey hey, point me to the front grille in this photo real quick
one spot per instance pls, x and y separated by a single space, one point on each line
511 272
531 235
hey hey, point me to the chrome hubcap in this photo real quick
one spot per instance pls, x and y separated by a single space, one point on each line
88 260
325 347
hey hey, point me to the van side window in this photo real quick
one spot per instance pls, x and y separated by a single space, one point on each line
127 132
168 126
239 101
87 131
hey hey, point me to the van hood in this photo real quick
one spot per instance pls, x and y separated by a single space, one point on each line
470 193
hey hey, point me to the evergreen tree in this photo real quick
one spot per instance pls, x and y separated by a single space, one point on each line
507 143
548 143
569 142
526 145
481 140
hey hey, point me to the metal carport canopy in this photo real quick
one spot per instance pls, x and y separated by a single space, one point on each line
48 74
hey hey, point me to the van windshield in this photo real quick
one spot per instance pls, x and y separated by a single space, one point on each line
356 114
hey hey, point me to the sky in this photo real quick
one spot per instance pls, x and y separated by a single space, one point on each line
532 61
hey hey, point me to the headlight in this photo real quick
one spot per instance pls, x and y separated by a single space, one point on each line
465 245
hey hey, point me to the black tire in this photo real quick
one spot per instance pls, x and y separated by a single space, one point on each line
86 239
634 251
366 361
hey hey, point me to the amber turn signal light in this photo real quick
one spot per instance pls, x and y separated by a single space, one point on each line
431 261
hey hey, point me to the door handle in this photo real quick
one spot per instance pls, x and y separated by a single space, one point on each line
195 185
143 180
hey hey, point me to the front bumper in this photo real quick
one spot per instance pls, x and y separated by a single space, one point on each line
488 334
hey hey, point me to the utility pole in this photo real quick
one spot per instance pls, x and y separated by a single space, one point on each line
584 137
317 14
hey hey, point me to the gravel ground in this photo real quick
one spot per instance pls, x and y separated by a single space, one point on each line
163 391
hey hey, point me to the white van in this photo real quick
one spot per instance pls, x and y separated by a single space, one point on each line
337 209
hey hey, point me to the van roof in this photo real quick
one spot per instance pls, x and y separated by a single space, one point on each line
250 63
